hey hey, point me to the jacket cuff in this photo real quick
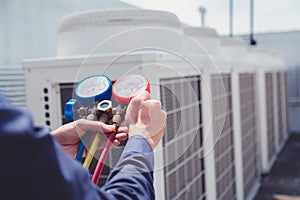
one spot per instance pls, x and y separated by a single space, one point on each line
138 144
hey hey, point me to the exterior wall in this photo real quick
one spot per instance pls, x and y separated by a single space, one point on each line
28 29
38 21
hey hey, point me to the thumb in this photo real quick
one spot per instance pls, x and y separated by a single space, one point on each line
134 107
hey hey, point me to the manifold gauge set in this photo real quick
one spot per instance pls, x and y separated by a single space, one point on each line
97 99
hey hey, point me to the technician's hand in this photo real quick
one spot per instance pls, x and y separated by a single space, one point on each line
68 135
145 117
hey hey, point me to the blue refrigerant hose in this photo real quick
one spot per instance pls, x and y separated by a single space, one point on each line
81 149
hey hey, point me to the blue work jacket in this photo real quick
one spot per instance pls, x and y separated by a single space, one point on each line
34 166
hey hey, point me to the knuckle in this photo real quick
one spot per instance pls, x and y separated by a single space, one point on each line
80 121
101 125
135 101
147 95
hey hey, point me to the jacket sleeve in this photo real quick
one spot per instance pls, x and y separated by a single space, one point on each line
34 166
132 178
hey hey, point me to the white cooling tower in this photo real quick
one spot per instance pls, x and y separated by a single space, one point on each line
233 48
206 39
113 31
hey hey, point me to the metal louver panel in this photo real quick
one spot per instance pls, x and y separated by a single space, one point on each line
250 153
280 122
184 167
270 117
286 93
223 134
12 84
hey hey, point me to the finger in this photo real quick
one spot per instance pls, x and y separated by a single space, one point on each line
116 142
121 136
146 107
134 106
132 111
84 153
123 129
123 124
151 103
157 115
84 125
144 117
143 96
158 119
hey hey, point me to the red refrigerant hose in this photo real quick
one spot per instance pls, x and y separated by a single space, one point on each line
102 158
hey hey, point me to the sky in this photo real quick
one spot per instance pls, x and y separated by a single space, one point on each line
269 15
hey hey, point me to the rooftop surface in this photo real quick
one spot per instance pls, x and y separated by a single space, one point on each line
283 182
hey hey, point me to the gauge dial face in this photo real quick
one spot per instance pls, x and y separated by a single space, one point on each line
130 86
92 86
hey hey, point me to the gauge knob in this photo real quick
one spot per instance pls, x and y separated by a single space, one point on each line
70 106
127 87
93 89
104 106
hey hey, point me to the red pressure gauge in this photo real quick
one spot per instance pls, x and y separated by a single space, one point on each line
127 87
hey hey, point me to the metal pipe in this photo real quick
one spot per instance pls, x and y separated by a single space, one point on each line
202 11
252 41
230 18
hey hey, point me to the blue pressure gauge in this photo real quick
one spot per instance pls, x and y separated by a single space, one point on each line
93 89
